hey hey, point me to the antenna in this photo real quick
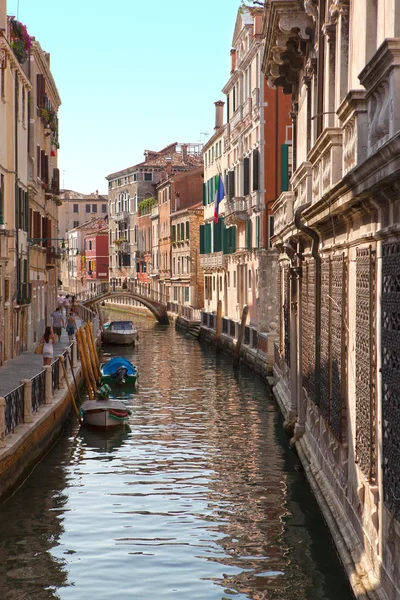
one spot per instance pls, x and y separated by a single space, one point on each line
203 136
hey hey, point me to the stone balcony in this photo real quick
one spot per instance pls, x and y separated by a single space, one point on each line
3 245
154 211
227 136
381 79
301 182
256 201
123 248
283 212
236 117
255 96
353 116
326 161
247 111
236 211
122 216
212 261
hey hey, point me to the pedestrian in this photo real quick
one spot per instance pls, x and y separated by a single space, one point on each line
58 322
125 284
48 340
60 300
73 303
71 326
67 302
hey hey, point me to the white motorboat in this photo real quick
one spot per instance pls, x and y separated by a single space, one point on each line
104 413
120 332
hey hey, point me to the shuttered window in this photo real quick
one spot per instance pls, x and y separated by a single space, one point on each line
231 185
257 232
284 167
249 235
256 167
202 239
217 236
187 230
40 91
246 176
207 238
204 194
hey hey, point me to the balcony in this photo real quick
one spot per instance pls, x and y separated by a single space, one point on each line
212 261
255 201
24 295
52 256
123 248
354 118
154 212
326 160
3 246
247 109
122 216
236 118
227 136
283 212
236 211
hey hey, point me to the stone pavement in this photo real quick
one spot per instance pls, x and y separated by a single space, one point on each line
27 365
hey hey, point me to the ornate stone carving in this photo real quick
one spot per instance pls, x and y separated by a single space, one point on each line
378 113
349 145
311 8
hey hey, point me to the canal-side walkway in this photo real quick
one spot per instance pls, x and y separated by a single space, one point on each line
27 365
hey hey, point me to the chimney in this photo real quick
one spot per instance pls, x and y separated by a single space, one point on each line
219 114
184 152
97 192
233 60
169 165
3 18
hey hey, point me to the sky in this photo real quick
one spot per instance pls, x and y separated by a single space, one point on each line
132 75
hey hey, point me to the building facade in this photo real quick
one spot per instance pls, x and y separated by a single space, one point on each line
252 154
77 209
127 190
28 183
96 253
337 234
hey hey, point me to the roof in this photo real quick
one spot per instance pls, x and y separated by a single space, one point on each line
170 155
95 225
66 195
178 175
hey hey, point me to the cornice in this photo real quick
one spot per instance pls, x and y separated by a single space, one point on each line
39 56
256 45
5 46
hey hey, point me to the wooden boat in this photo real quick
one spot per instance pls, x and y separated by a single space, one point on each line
120 332
104 414
118 371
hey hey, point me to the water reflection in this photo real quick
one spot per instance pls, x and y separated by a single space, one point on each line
197 499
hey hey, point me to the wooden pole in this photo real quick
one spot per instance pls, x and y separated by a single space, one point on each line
92 351
71 393
84 365
88 360
218 327
236 358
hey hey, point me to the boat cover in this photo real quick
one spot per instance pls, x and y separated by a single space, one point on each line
112 366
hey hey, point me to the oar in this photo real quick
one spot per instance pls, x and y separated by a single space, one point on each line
70 390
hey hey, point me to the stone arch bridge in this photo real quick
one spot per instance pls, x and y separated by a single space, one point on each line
154 301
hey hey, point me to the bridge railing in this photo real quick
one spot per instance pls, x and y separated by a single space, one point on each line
188 312
135 287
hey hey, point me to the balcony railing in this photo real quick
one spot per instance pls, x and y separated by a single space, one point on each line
247 106
212 261
123 248
4 245
236 210
154 211
283 211
122 216
236 117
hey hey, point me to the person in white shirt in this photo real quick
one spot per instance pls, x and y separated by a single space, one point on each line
58 322
60 300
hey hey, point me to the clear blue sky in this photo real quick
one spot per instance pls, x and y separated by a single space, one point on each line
132 75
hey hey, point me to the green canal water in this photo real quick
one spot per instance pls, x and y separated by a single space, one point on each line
198 498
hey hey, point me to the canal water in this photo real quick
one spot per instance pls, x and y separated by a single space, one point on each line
198 498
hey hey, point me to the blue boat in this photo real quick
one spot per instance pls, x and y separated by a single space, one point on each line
118 371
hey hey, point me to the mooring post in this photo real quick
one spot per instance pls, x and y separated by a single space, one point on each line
2 423
218 327
238 346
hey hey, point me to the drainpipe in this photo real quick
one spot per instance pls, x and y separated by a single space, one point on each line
315 254
291 252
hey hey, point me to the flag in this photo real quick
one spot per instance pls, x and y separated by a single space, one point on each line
219 196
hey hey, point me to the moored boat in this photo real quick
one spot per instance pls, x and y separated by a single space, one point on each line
118 371
122 333
104 414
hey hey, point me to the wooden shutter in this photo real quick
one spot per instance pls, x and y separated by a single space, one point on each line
284 168
257 232
202 239
204 194
256 166
55 184
207 238
46 169
217 239
231 185
38 162
246 176
42 165
249 235
40 91
43 231
187 230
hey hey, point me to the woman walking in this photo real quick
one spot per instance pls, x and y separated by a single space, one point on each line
48 341
71 326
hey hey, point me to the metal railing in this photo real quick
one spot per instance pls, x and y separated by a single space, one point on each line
231 328
14 409
134 287
38 390
187 312
55 375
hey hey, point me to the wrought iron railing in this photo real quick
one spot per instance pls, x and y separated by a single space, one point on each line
14 409
38 390
55 375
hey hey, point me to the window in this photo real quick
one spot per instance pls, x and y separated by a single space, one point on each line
135 177
90 245
76 208
94 208
148 176
186 294
229 279
104 208
234 279
88 208
175 294
213 283
249 279
187 230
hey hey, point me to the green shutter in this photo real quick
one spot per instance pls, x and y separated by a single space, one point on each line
202 239
224 237
284 168
204 194
207 238
257 232
187 230
217 236
249 232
